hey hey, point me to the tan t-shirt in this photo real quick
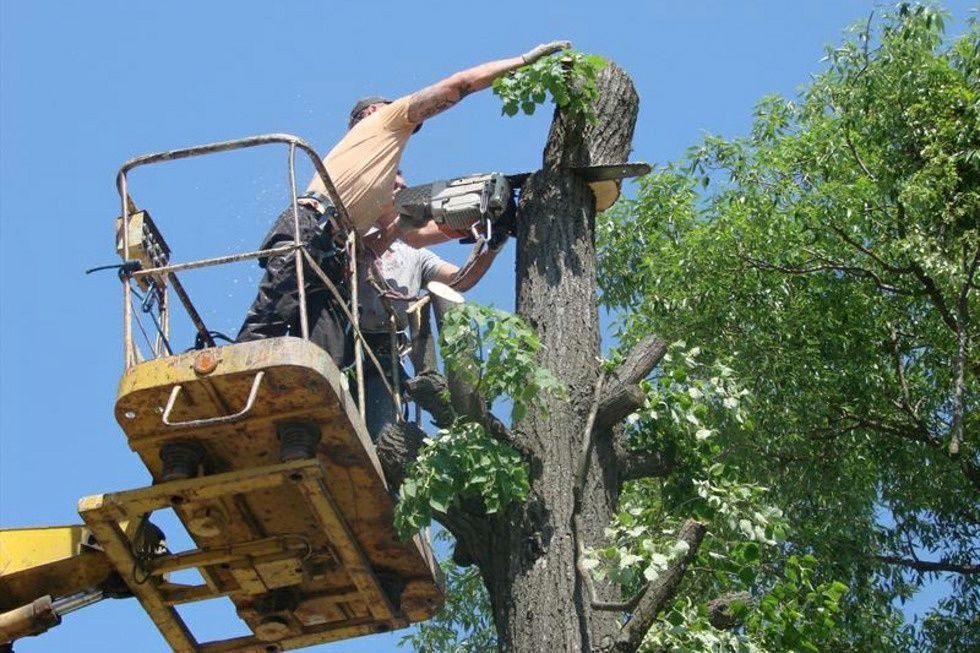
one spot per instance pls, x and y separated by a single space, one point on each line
363 164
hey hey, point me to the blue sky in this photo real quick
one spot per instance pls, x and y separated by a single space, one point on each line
86 85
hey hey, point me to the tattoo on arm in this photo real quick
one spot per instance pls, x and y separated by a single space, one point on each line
429 101
435 99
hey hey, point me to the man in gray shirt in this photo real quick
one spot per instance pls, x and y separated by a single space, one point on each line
406 270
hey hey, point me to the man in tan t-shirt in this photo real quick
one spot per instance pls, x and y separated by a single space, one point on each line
362 166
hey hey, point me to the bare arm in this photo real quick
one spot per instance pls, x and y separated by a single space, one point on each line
440 96
428 234
446 273
470 274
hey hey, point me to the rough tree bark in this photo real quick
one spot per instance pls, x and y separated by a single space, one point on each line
527 555
538 599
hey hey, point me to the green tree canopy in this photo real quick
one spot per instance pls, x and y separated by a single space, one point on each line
830 258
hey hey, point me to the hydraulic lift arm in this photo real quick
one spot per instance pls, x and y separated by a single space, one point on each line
48 572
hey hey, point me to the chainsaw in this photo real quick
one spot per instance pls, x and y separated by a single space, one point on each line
485 205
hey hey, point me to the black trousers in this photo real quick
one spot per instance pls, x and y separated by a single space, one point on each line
379 407
276 310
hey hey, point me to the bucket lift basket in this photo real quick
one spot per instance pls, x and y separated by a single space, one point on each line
262 453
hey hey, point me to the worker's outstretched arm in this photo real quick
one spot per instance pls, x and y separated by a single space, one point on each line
440 96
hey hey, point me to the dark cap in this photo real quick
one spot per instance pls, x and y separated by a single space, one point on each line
364 103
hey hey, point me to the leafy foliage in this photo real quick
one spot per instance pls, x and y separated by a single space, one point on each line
494 351
689 397
464 624
795 615
567 76
832 256
695 408
461 463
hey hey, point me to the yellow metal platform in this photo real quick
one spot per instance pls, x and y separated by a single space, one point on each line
305 549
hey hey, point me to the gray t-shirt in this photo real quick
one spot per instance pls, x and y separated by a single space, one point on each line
406 269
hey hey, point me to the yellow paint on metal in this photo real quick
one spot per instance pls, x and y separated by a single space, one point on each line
232 402
27 548
49 560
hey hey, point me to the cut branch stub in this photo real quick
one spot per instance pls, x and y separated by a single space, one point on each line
398 446
720 613
574 142
429 390
633 464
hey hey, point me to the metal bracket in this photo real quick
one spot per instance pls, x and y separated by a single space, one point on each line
210 421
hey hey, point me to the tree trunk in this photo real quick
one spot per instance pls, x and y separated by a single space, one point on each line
539 601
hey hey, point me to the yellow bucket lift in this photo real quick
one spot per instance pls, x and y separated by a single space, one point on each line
262 453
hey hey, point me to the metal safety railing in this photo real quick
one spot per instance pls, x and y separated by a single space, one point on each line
297 248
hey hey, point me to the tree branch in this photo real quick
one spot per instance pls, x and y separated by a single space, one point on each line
962 346
658 593
463 398
906 401
829 266
398 446
621 395
857 157
634 464
430 389
719 610
888 267
617 403
933 292
927 566
431 392
917 432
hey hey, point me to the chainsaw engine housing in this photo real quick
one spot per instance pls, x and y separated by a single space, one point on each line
457 203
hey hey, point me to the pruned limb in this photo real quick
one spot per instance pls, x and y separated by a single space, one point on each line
621 395
471 527
574 141
720 613
616 405
430 391
397 447
659 593
641 360
635 464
